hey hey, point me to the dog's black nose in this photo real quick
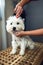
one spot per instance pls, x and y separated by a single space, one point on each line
14 28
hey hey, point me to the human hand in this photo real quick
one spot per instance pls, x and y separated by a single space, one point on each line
18 10
19 34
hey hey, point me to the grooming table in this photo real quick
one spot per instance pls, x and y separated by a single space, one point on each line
31 57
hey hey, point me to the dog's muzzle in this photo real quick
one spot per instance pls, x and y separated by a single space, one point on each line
14 28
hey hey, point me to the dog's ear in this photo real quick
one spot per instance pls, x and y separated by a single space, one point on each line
23 19
14 14
10 17
23 15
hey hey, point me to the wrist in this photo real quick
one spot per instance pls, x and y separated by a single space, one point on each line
27 33
21 4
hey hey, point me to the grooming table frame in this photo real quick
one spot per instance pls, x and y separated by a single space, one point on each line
31 57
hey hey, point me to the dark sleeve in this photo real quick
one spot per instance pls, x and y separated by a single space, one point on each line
33 0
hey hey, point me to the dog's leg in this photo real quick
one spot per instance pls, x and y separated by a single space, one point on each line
31 44
23 46
14 47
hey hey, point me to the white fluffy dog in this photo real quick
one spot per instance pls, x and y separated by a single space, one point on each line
17 24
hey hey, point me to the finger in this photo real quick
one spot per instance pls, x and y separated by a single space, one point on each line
16 34
15 9
19 13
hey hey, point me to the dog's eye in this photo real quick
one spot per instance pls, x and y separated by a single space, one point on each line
17 23
11 23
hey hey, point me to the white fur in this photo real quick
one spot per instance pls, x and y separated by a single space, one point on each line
23 42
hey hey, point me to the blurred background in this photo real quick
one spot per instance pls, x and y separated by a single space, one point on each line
34 19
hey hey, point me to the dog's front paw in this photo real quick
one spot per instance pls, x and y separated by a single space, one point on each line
13 52
32 46
22 53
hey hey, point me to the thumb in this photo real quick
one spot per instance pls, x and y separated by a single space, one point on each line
15 9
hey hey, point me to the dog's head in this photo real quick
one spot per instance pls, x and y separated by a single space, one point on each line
15 24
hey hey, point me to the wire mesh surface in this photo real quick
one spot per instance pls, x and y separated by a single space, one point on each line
31 57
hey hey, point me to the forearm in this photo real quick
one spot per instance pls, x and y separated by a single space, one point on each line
23 2
34 32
